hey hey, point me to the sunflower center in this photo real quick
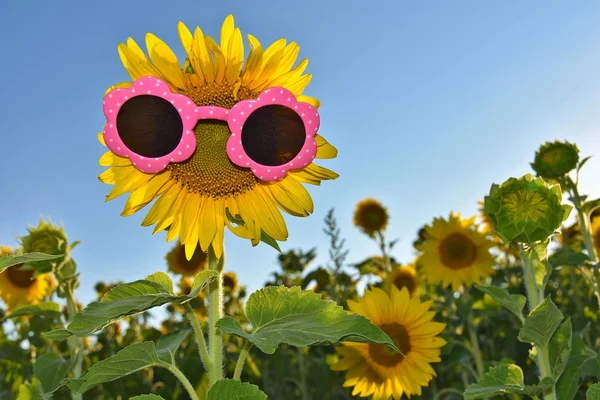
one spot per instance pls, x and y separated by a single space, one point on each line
209 172
405 280
525 205
552 156
457 251
20 278
199 258
385 356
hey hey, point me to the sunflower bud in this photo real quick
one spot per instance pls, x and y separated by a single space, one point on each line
555 160
45 238
525 210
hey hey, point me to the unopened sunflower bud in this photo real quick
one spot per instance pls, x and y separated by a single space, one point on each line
555 160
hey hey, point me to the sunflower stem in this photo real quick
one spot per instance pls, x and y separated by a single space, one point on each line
184 381
74 343
535 296
475 348
302 367
202 348
239 366
384 253
215 313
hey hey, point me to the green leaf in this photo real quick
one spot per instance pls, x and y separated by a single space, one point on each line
201 280
32 391
593 393
505 378
541 323
582 163
565 256
49 308
513 302
10 260
570 380
167 345
50 369
147 397
300 318
121 301
560 348
163 280
235 390
133 358
590 206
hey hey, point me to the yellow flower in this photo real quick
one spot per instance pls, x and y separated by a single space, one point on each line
178 263
19 288
377 371
370 216
402 276
230 281
195 199
596 233
455 252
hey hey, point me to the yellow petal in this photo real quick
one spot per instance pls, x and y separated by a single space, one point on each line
285 202
177 212
324 149
143 195
226 33
310 100
254 62
107 176
165 60
207 223
217 243
135 66
187 41
117 86
235 56
271 220
171 211
190 227
297 86
203 55
290 54
126 179
161 206
219 57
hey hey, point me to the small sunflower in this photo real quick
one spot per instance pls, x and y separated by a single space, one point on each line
197 198
179 264
377 371
455 252
370 216
19 288
230 281
555 159
402 276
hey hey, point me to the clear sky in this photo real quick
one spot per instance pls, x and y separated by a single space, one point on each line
428 103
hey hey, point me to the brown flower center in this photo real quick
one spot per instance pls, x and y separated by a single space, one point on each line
209 172
405 280
20 278
384 355
457 251
198 262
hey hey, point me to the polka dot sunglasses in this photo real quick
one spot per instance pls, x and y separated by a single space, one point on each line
153 127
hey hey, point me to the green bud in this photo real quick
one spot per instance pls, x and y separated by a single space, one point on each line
45 238
555 160
525 210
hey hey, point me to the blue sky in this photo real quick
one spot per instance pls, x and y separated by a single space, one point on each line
429 103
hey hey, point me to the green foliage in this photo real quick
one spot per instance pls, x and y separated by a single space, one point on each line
48 308
504 379
513 302
235 390
50 369
300 318
541 323
10 260
593 393
559 348
568 384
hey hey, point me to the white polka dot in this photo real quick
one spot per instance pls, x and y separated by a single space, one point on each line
268 169
118 104
149 92
295 107
187 132
233 134
172 101
110 125
307 150
310 122
157 85
132 90
249 105
188 117
299 157
308 136
253 170
110 111
187 146
119 148
242 113
172 159
275 177
126 97
240 156
179 152
164 165
141 157
233 120
281 91
211 112
233 149
149 165
283 171
141 83
195 110
260 177
273 99
289 99
302 114
258 98
110 95
110 140
134 164
179 109
291 164
247 163
164 93
189 102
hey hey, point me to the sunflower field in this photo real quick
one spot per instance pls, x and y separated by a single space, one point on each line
502 304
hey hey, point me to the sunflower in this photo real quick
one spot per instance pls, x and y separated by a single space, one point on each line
178 263
455 252
596 234
370 216
197 198
374 369
230 281
19 288
402 276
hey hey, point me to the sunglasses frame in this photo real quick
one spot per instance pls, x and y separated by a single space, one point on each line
190 115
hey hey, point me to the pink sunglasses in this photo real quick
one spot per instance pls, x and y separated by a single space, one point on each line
153 126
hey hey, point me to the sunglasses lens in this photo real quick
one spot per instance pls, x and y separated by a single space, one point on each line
149 126
273 135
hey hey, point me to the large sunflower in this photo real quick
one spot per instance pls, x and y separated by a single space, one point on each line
197 198
19 288
455 252
375 370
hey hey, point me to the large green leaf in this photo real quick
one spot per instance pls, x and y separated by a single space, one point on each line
235 390
167 345
541 323
44 308
201 280
565 256
131 359
163 280
147 397
560 348
593 393
300 318
32 391
504 379
122 301
570 380
513 302
50 369
10 260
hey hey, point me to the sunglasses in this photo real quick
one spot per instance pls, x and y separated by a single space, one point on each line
152 126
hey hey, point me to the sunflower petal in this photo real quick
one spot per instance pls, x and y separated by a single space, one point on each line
143 195
219 57
310 100
187 41
165 60
253 63
202 54
136 66
207 223
324 149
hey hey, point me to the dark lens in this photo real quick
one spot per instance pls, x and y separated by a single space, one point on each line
273 135
149 126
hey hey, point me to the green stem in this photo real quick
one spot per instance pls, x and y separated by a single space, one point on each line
241 360
475 348
303 385
535 296
186 383
215 313
202 348
74 343
386 258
